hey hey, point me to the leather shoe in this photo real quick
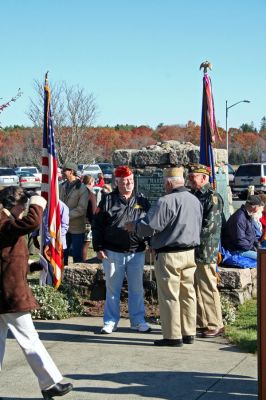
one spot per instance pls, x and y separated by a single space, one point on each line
212 333
59 389
199 331
188 339
169 342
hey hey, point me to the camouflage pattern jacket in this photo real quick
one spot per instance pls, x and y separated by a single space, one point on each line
210 236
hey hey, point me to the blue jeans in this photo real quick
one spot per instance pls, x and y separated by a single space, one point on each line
248 253
115 268
75 242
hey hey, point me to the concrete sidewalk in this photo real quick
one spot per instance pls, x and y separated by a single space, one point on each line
126 365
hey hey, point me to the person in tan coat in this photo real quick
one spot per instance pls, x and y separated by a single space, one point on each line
16 298
75 195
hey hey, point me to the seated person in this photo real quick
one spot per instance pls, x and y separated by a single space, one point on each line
263 221
257 223
238 234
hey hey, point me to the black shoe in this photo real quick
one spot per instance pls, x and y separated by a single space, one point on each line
169 342
200 331
188 339
59 389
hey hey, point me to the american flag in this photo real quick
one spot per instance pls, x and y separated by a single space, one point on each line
50 189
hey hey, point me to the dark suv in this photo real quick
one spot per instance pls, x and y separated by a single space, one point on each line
107 169
253 174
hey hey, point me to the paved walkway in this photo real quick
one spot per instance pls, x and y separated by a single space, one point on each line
126 365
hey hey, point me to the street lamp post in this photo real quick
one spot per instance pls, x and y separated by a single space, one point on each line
226 117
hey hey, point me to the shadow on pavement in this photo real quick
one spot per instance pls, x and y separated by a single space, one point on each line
158 385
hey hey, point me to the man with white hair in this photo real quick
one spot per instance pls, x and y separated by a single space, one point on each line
174 224
122 253
239 236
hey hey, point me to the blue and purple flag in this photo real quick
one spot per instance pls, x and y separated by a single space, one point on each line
208 129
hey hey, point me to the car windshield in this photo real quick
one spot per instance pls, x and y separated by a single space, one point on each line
7 171
230 169
92 168
24 173
31 170
248 170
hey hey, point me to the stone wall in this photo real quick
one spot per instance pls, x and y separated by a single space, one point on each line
236 284
163 154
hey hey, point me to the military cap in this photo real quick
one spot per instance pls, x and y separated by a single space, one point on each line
123 171
70 165
254 200
199 169
173 172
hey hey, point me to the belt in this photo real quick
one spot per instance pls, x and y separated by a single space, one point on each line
169 249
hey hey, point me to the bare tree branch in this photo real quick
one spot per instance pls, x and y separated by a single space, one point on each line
73 112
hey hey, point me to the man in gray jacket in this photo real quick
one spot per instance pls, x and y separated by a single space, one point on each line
75 195
174 224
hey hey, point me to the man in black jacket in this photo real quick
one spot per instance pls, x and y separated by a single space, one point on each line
122 253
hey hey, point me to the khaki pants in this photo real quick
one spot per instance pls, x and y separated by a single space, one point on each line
209 312
176 293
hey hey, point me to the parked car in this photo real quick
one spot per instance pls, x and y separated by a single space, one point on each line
29 181
8 177
31 170
107 170
91 169
231 175
252 174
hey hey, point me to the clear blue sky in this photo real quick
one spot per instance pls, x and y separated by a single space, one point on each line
140 58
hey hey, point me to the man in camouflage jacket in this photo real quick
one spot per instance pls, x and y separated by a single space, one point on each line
209 314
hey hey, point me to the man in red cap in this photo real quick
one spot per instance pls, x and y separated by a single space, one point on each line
122 253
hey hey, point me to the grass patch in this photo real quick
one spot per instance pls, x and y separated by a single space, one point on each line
243 331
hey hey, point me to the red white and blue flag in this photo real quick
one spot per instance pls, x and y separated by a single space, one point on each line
50 189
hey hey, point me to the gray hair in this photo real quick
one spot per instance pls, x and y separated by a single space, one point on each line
176 180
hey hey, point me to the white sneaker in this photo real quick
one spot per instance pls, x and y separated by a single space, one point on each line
108 328
141 327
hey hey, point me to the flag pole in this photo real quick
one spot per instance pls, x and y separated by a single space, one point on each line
208 124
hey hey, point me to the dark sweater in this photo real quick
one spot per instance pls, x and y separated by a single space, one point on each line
239 233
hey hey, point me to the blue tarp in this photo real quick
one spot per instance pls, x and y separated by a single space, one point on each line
237 260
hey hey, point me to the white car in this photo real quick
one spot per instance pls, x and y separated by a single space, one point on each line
251 174
90 169
31 169
8 177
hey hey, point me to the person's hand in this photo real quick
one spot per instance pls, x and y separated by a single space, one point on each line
101 255
129 227
47 252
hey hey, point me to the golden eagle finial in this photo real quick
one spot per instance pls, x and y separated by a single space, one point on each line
205 65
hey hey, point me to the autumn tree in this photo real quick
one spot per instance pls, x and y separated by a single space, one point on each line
263 124
248 127
74 111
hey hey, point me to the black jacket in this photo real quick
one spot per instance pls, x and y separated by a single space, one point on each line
111 215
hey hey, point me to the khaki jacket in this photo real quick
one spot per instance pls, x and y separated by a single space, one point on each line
77 201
